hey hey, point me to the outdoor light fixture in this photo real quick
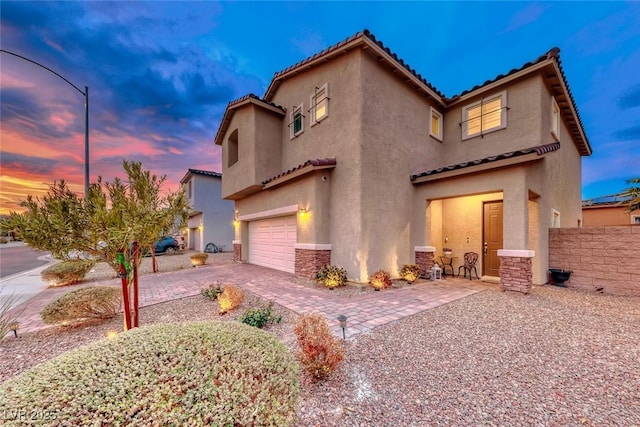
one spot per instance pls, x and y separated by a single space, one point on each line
303 210
13 326
343 324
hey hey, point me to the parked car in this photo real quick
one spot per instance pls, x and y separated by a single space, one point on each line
166 245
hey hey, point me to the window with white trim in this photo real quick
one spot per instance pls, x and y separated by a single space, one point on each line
296 123
555 218
635 219
484 116
555 119
435 124
319 104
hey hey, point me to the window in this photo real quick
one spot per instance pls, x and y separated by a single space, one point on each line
319 104
635 219
232 149
296 125
555 219
487 115
189 189
435 124
555 119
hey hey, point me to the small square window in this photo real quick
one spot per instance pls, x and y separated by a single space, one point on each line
435 124
319 104
296 126
635 219
555 119
487 115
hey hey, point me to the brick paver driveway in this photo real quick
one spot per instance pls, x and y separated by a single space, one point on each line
365 311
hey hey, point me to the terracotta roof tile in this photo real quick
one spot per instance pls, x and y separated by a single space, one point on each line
199 172
228 112
315 162
539 150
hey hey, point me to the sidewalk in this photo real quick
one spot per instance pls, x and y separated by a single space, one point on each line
364 312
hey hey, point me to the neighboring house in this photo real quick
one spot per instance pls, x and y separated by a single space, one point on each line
353 158
607 210
211 218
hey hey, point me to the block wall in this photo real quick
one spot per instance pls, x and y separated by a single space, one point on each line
603 259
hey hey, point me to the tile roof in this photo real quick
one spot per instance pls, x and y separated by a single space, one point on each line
315 162
538 149
340 46
199 172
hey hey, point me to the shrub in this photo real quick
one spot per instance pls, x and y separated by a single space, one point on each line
67 272
94 302
198 259
331 276
7 320
212 292
410 272
380 279
230 298
202 373
259 317
320 351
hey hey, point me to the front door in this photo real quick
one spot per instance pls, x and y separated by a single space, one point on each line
492 234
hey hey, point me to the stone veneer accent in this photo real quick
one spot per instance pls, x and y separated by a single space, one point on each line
516 273
309 261
424 256
237 251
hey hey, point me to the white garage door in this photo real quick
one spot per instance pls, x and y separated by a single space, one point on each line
271 243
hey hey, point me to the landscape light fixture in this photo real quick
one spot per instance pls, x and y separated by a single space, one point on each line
343 324
86 115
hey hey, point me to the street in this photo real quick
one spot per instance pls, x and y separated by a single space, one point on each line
16 258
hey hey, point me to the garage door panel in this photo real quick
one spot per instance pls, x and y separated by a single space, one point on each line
271 243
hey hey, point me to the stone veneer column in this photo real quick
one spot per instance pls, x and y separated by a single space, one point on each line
311 257
424 256
237 251
515 270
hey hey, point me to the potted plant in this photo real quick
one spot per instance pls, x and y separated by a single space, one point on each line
447 251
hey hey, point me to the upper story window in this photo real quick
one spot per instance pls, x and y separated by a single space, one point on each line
319 104
189 189
435 124
232 148
555 119
296 123
487 115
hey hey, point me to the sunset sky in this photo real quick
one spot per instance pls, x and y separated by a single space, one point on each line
160 74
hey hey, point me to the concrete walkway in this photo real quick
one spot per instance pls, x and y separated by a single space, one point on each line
365 311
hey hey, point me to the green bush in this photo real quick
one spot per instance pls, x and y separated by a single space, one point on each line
212 291
67 272
259 317
91 303
380 280
331 276
203 373
410 272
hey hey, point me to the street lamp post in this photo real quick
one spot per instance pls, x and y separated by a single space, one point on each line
86 115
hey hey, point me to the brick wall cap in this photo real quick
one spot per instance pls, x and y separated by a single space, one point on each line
517 253
236 242
425 249
313 246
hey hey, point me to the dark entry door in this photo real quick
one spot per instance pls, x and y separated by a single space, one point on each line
492 234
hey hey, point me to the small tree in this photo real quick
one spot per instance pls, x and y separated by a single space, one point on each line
632 195
112 219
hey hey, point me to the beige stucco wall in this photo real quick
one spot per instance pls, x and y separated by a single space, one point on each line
259 149
607 215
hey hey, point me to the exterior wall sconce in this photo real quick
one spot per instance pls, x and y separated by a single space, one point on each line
303 211
343 324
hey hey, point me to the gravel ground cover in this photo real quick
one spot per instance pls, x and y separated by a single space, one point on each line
556 357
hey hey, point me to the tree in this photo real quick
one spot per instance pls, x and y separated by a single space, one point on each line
632 195
112 219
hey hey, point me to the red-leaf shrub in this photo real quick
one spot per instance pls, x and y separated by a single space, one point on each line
320 351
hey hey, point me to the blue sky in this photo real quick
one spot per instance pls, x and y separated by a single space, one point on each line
160 74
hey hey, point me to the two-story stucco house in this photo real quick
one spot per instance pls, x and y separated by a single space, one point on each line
352 158
211 217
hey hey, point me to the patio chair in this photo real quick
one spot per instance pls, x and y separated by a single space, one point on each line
470 260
